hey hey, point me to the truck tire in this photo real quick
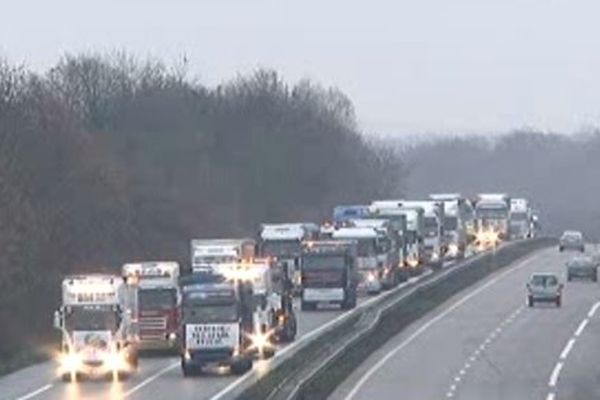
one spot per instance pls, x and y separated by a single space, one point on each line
560 249
569 278
530 301
241 366
558 301
68 377
188 370
595 276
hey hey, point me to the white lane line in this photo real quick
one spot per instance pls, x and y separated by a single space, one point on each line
555 374
567 349
35 392
428 324
593 310
581 327
550 396
150 379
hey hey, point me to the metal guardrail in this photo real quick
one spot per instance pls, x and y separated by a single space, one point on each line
326 361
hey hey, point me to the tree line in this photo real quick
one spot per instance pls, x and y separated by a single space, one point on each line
106 159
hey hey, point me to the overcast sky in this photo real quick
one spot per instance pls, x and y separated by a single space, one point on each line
409 66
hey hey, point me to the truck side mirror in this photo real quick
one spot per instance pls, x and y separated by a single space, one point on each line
58 319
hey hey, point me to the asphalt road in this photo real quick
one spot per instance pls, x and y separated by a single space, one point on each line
485 343
158 377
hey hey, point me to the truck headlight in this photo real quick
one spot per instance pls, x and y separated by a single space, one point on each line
115 361
70 362
172 336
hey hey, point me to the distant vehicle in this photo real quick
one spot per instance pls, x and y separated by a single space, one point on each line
492 213
217 324
158 301
207 254
458 215
343 214
571 240
283 243
329 274
521 219
97 320
544 288
369 270
582 267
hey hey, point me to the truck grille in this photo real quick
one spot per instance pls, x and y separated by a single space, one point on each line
153 323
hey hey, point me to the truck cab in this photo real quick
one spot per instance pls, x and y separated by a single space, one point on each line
457 216
492 216
370 271
99 333
158 302
520 219
217 323
329 273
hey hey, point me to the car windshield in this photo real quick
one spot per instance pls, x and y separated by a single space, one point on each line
544 280
573 236
91 318
581 262
157 299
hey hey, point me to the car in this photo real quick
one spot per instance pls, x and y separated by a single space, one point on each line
544 287
582 267
571 240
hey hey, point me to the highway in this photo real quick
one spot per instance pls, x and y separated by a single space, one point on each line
157 378
485 343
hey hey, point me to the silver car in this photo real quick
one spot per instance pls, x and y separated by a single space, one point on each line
571 240
544 287
582 267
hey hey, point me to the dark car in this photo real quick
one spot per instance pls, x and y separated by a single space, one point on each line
571 240
582 267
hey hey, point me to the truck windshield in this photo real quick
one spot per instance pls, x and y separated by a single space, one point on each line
450 223
91 318
278 248
157 299
209 313
323 262
366 248
519 216
430 224
492 213
211 260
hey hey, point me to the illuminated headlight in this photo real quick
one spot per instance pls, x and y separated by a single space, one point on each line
261 341
70 362
115 361
453 249
371 277
412 263
435 256
187 356
172 336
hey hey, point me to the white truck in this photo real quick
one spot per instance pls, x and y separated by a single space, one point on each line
370 272
492 215
283 243
521 219
97 319
158 302
208 254
458 213
434 238
387 244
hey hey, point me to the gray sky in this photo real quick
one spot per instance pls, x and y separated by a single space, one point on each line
409 66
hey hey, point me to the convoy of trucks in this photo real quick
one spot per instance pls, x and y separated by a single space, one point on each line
234 302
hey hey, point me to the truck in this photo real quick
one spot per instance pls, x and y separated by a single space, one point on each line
492 217
344 214
521 219
370 272
458 214
158 302
413 256
217 324
207 254
329 274
97 321
434 238
283 243
388 248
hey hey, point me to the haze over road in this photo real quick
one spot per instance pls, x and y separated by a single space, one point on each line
486 344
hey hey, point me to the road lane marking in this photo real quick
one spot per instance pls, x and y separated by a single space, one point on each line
150 379
593 310
35 392
581 327
555 374
567 349
374 368
550 396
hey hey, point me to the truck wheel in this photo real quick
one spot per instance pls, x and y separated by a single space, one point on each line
595 276
560 249
268 353
558 301
241 366
530 301
68 377
569 277
188 370
122 376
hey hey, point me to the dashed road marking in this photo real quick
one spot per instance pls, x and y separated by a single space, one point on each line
581 327
567 348
555 374
35 393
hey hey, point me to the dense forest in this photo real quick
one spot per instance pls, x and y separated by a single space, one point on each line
559 173
105 159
